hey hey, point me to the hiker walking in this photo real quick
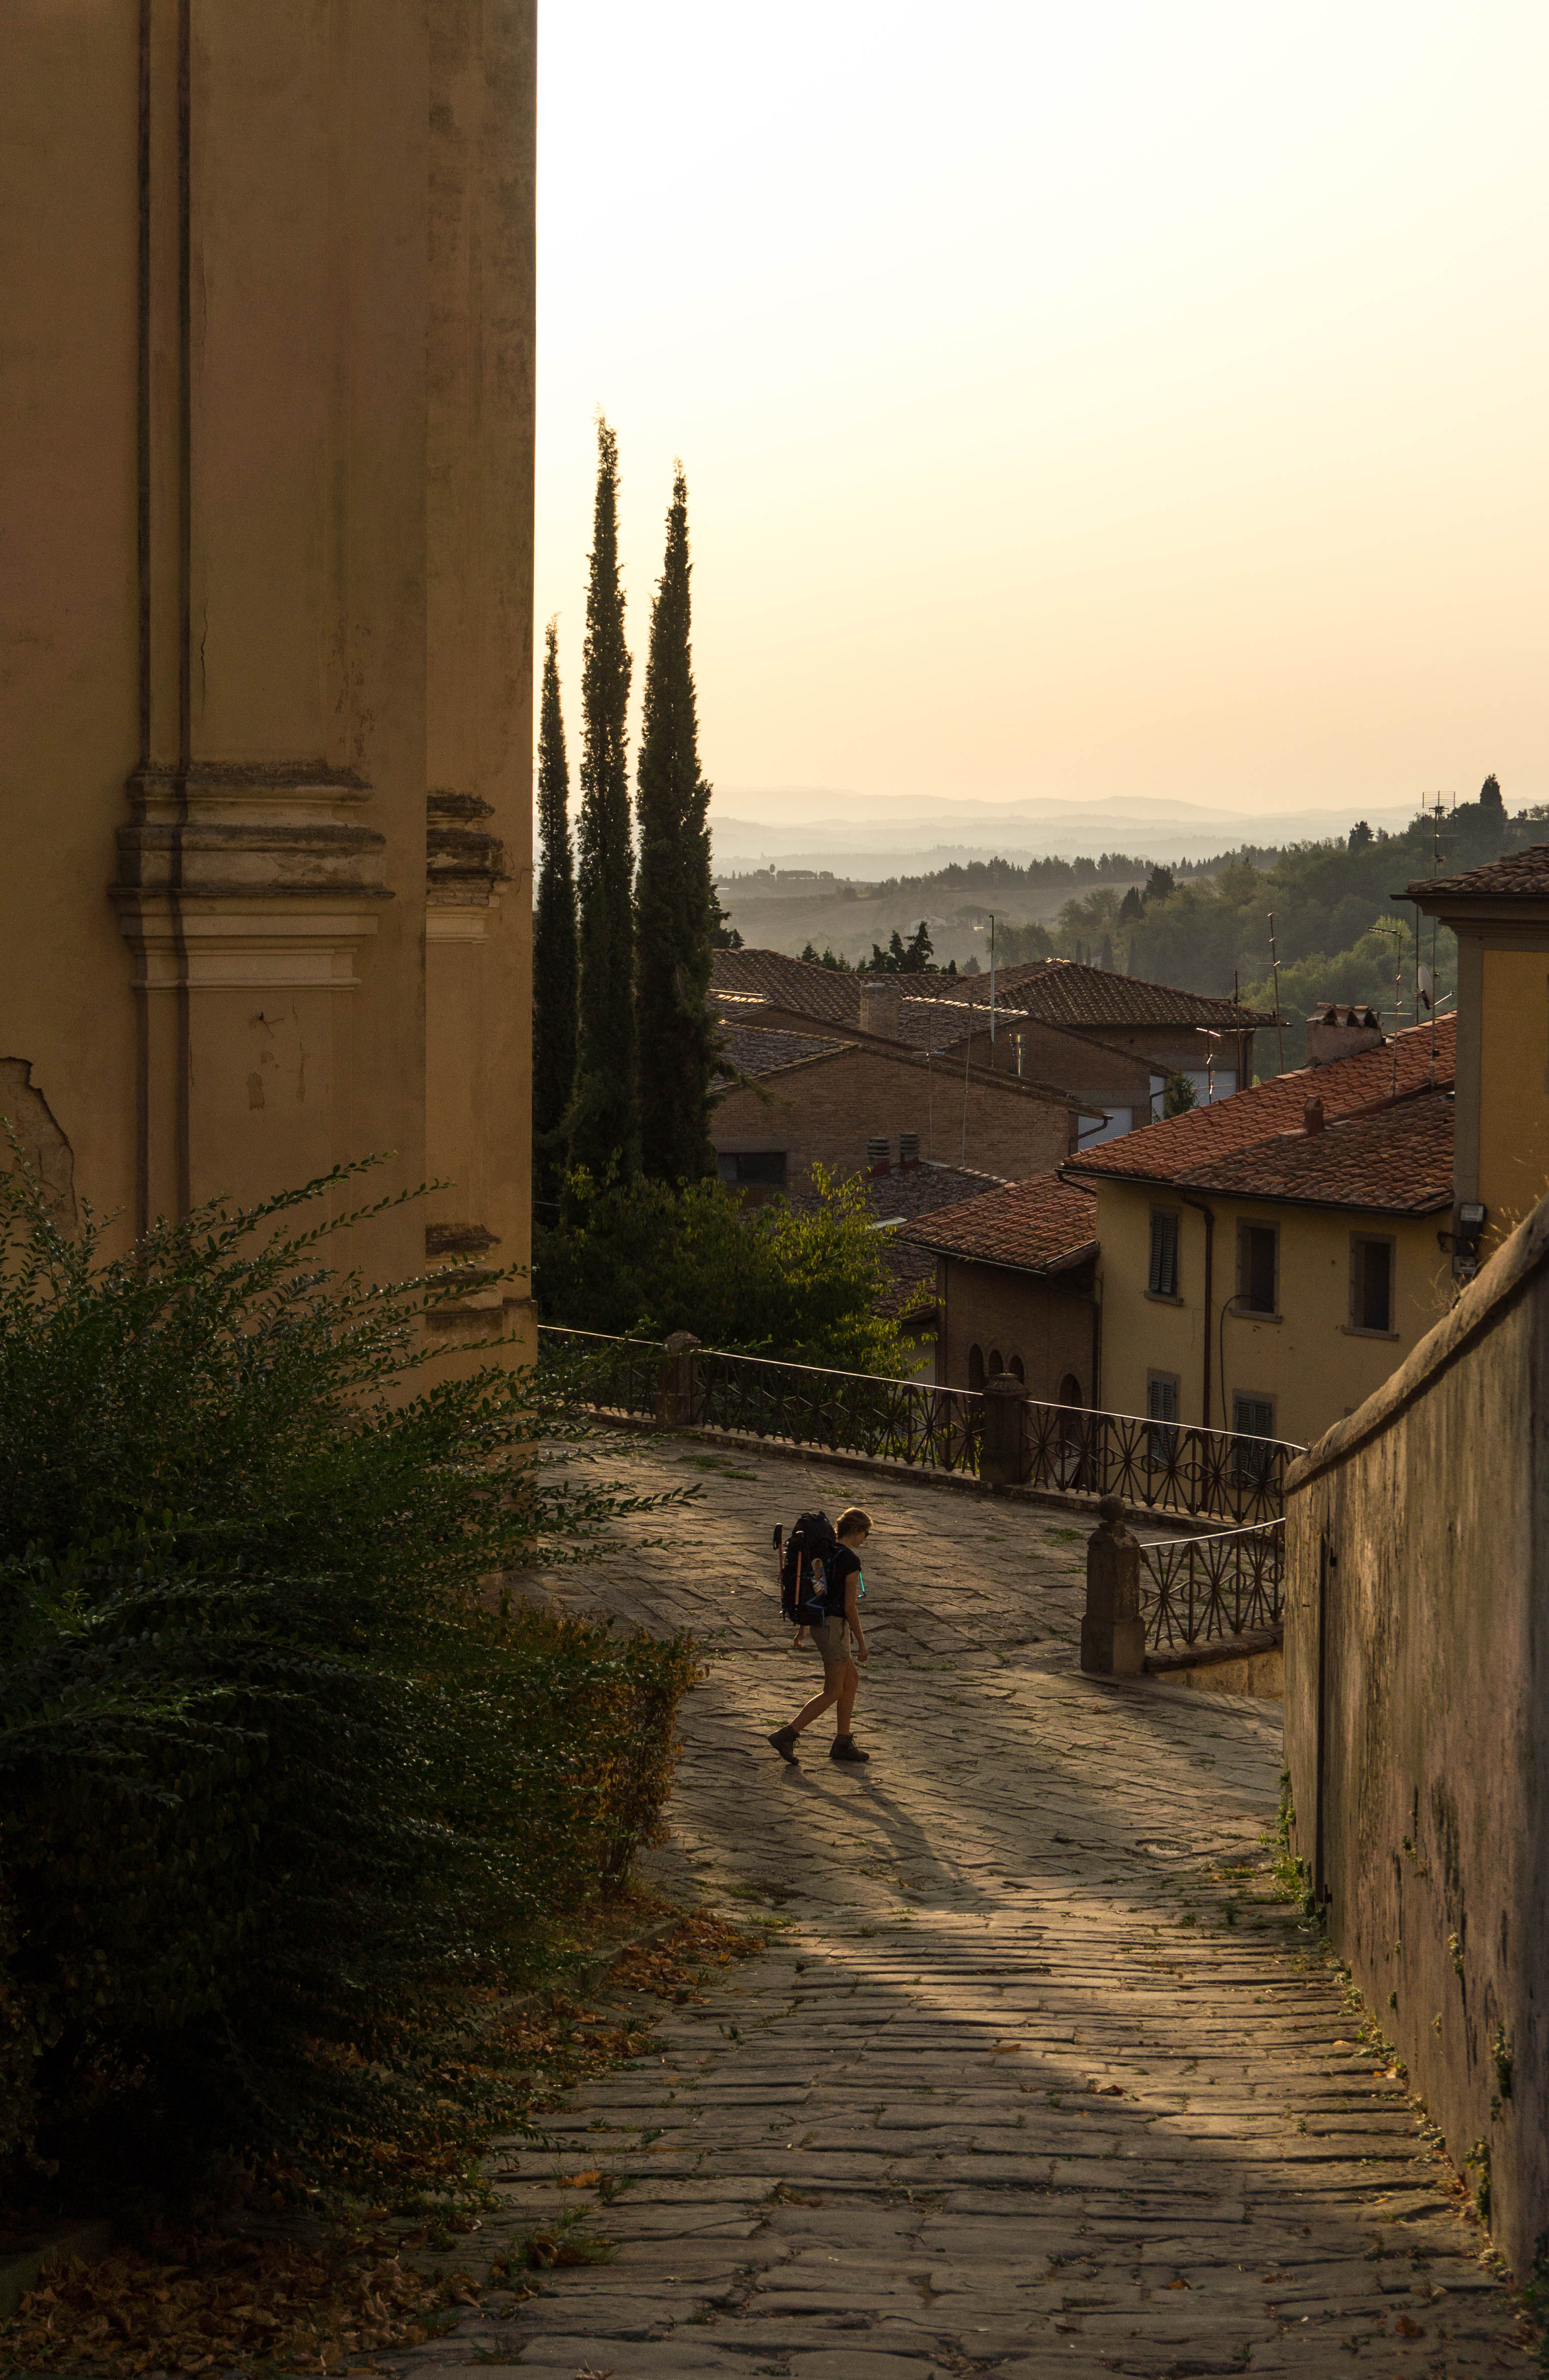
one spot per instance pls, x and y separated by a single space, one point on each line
821 1584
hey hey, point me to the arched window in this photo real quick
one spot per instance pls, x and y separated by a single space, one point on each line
976 1368
1015 1368
996 1368
1071 1390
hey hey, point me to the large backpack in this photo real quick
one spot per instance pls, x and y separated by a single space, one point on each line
803 1566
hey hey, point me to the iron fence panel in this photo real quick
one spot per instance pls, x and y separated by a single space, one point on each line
1219 1586
848 1413
614 1375
1155 1467
1163 1466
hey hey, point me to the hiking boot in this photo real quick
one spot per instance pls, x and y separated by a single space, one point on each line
845 1747
784 1741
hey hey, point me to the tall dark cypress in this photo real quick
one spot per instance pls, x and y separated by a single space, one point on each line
603 1124
553 940
676 906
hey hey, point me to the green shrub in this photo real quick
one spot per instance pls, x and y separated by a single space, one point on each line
277 1783
799 1282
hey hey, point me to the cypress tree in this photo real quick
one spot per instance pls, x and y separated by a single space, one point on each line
553 938
675 909
603 1124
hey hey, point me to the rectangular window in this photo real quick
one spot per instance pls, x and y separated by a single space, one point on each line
1257 1250
763 1166
1162 1281
1253 1418
1161 1408
1371 1284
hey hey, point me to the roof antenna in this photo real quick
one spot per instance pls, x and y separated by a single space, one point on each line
991 987
1274 968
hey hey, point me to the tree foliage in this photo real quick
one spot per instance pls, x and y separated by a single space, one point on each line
799 1281
603 1129
916 956
555 946
677 1035
276 1783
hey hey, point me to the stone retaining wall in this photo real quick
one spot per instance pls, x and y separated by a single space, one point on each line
1417 1721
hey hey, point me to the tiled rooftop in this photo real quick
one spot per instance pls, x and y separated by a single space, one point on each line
1519 876
1065 992
1396 1162
787 983
1042 1225
1174 1150
1061 992
759 1050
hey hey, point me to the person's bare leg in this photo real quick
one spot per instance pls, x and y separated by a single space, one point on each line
849 1687
832 1692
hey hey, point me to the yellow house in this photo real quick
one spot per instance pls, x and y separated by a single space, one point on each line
1267 1261
1500 915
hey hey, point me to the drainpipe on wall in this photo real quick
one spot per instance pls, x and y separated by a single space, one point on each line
1208 1214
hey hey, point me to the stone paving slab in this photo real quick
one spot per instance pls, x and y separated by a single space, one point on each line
1029 2083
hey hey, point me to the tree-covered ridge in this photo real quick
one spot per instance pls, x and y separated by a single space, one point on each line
1339 933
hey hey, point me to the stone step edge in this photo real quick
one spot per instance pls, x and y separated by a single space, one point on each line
1163 1660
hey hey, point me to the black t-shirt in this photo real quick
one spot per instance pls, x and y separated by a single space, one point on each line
839 1570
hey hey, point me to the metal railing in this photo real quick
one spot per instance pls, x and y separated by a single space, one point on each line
1165 1466
850 1413
1157 1467
1225 1585
619 1375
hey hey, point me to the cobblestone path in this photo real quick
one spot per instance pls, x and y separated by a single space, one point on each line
1029 2083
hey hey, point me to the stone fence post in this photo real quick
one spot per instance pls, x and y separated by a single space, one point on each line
1003 1460
1112 1634
675 1382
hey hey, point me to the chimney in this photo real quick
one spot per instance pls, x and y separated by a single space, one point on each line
878 1155
1312 1116
879 1006
1334 1030
908 1149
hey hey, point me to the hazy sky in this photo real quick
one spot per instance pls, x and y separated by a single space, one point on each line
1076 400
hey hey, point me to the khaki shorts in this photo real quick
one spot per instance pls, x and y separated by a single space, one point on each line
830 1638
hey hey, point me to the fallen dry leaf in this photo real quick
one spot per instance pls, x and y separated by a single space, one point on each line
192 2303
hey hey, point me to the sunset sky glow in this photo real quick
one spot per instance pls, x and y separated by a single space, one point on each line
1076 401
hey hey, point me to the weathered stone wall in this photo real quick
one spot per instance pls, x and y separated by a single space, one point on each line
1417 1718
268 538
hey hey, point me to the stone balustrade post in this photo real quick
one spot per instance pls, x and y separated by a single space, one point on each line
1003 1460
1113 1633
675 1382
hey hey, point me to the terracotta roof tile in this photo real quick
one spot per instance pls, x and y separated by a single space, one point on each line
1519 876
1042 1225
754 1050
1067 992
787 983
1397 1162
1169 1151
1064 992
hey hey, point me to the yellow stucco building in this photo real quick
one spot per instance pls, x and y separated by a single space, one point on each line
268 390
1500 915
1267 1261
